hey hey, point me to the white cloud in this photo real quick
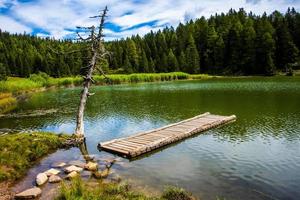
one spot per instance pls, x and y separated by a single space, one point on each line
58 17
111 35
11 25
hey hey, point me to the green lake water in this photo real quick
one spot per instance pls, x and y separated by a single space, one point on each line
257 157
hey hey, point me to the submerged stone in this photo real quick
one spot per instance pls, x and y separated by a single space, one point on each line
59 164
31 193
77 163
73 168
41 179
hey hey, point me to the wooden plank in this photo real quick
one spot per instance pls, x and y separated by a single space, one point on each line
141 138
138 140
116 149
147 141
129 143
125 144
121 146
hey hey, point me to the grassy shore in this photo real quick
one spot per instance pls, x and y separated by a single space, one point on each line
7 102
37 81
79 189
18 152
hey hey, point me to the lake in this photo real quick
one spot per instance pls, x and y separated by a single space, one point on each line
256 157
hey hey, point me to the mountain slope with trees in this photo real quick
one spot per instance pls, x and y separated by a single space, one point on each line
237 43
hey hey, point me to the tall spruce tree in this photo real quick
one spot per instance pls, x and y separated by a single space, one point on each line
172 62
192 57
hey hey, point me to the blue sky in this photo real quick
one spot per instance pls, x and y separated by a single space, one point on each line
58 18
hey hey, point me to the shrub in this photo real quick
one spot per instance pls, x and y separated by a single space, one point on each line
41 77
175 193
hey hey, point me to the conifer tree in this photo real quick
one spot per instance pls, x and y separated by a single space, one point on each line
172 62
192 57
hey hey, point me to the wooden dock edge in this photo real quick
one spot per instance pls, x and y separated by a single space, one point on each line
163 142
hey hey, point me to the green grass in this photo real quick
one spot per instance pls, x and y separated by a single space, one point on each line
141 77
37 81
78 189
7 102
18 152
16 85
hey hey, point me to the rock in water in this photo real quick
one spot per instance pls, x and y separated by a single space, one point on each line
91 166
51 172
31 193
105 173
73 168
73 174
41 179
54 179
59 164
77 163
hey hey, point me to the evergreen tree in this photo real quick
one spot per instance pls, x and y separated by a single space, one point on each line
286 50
247 59
172 62
144 66
182 61
132 54
3 74
127 65
192 57
231 43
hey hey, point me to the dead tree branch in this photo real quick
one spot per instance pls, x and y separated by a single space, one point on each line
98 51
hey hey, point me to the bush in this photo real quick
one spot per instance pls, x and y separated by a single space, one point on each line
174 193
41 77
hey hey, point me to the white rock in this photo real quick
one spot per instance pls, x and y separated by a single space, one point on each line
73 174
59 164
51 172
54 179
31 193
41 179
91 166
73 168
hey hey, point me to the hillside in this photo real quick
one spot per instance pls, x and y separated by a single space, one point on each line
233 43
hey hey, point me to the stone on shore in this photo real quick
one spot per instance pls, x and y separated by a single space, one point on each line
73 174
41 179
31 193
54 179
91 166
73 168
51 172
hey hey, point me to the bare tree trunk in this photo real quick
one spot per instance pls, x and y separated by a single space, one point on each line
98 52
84 95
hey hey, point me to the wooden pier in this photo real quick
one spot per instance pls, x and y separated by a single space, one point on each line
144 142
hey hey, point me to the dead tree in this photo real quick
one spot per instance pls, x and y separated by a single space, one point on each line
95 39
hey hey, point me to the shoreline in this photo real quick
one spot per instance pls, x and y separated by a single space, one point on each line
15 89
92 183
